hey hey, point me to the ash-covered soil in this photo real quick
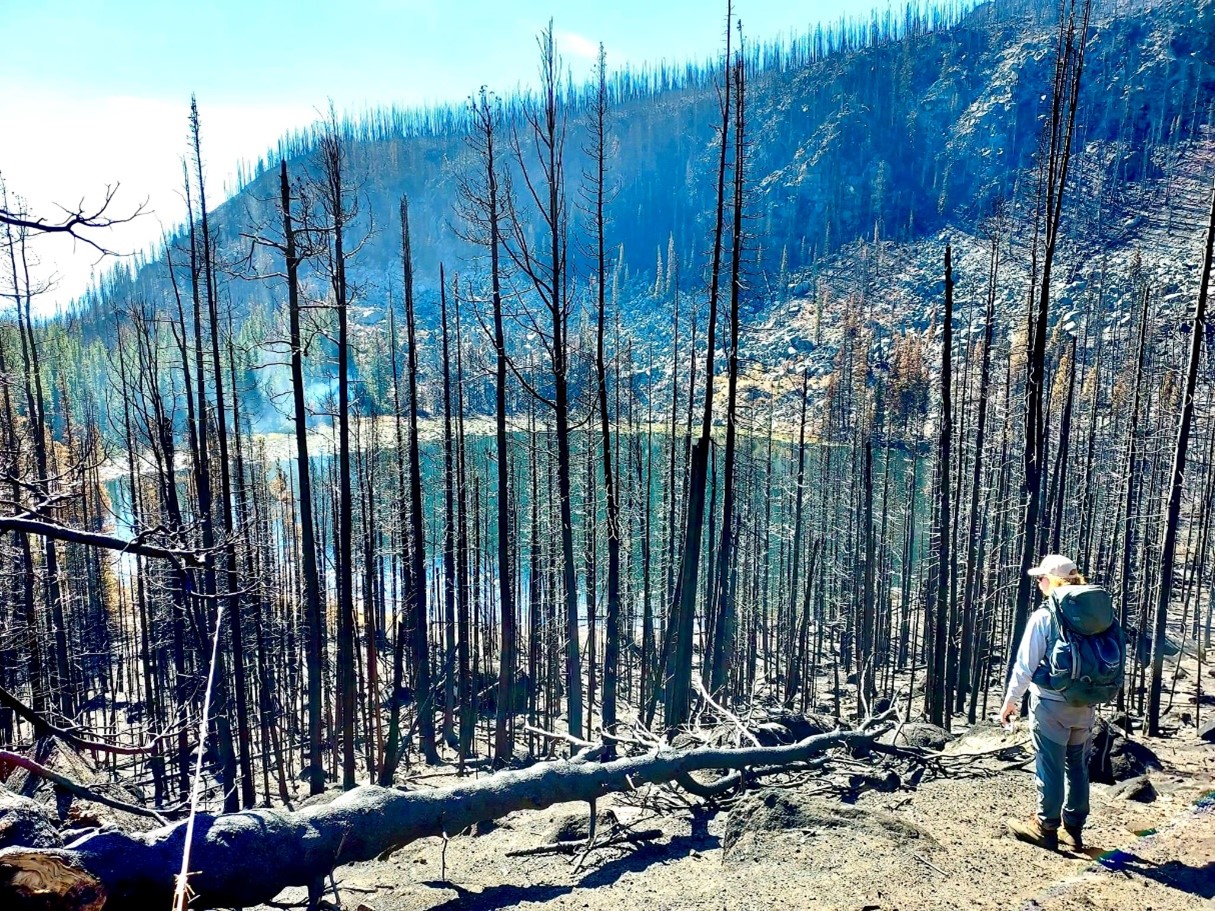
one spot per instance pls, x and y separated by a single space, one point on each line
797 843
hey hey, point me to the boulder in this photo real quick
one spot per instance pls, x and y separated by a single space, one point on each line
771 734
1207 731
918 734
1115 758
1142 644
990 738
790 727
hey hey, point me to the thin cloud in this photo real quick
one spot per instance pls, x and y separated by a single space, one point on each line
571 44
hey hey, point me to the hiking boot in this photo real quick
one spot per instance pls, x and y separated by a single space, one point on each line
1073 837
1033 832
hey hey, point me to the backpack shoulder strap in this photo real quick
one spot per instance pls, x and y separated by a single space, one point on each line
1054 631
1057 626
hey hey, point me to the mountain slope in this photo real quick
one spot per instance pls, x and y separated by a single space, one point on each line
902 141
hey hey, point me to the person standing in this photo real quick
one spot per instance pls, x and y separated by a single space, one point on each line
1058 637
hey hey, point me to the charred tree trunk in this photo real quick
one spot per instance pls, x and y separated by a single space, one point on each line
611 653
334 192
938 710
314 619
449 529
726 623
1172 517
1061 122
681 620
419 629
970 591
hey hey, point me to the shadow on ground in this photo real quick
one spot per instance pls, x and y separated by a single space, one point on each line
493 898
1198 881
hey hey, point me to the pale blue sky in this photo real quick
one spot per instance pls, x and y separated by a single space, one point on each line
97 91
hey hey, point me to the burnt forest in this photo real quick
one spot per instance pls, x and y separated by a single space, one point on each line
623 492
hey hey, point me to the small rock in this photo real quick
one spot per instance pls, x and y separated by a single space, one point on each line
485 826
883 784
1207 731
577 826
1140 790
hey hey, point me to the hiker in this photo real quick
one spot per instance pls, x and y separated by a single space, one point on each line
1074 628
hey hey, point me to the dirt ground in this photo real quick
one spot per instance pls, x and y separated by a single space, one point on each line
939 845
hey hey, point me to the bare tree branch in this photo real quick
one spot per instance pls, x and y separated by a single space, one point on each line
95 539
75 222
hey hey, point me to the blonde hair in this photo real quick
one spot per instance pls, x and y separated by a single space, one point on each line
1076 578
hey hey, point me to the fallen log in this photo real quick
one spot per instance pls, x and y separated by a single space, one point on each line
244 859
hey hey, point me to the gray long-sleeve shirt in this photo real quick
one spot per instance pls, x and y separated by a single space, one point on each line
1032 650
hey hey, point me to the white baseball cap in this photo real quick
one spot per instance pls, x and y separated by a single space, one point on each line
1054 565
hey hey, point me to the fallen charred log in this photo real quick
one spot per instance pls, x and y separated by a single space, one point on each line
244 859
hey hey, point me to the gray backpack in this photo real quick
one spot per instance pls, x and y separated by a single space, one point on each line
1086 654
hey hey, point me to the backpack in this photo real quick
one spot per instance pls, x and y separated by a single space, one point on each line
1086 654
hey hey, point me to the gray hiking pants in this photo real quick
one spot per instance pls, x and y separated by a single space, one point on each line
1062 734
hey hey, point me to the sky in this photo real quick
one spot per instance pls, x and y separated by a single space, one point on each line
95 93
